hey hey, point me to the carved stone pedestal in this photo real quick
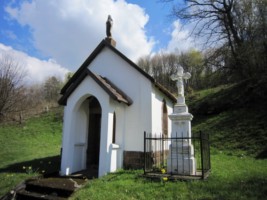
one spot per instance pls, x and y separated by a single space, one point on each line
181 159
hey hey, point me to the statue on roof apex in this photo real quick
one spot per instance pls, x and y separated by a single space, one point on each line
109 24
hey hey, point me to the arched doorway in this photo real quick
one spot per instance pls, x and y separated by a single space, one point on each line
94 129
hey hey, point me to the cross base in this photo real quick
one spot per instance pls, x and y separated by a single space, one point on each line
181 159
182 166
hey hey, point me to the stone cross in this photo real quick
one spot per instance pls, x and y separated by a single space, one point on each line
179 78
181 158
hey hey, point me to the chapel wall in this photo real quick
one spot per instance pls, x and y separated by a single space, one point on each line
138 115
135 159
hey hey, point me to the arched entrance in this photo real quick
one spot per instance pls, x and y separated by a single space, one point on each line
94 129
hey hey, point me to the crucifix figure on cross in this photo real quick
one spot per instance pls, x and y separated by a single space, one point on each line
179 78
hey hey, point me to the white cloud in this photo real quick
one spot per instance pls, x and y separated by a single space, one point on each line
68 30
36 70
181 40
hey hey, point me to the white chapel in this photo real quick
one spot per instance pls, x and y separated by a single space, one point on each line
108 104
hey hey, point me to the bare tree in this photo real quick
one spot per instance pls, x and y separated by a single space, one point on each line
11 85
161 66
238 28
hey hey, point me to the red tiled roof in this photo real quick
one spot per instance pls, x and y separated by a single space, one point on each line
112 90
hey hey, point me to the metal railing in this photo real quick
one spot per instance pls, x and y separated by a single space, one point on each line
177 156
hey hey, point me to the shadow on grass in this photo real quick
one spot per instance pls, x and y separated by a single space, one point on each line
237 187
46 166
250 188
262 155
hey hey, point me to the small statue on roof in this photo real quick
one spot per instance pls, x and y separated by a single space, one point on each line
109 24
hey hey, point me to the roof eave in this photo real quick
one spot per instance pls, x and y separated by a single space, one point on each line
84 65
124 98
82 71
127 100
166 92
92 56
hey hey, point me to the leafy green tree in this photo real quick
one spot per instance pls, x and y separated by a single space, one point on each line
193 62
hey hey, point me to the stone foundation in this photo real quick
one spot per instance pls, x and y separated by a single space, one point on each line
133 159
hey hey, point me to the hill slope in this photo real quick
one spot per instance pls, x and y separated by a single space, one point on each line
234 115
29 149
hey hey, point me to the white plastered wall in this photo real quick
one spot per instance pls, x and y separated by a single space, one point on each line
75 128
157 103
117 148
137 117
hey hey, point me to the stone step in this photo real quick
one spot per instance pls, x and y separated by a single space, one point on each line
50 188
27 195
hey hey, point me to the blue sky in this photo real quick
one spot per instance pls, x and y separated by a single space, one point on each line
160 20
55 36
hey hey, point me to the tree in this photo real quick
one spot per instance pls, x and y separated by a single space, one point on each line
161 66
68 76
51 89
11 85
193 62
237 28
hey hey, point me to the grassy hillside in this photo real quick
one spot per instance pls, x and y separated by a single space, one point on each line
235 116
29 149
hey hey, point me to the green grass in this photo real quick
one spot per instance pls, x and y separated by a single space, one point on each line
29 149
231 178
237 126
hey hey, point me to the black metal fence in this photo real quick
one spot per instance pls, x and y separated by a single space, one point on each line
177 156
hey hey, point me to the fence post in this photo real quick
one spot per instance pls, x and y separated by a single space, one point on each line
201 150
161 151
208 138
144 152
